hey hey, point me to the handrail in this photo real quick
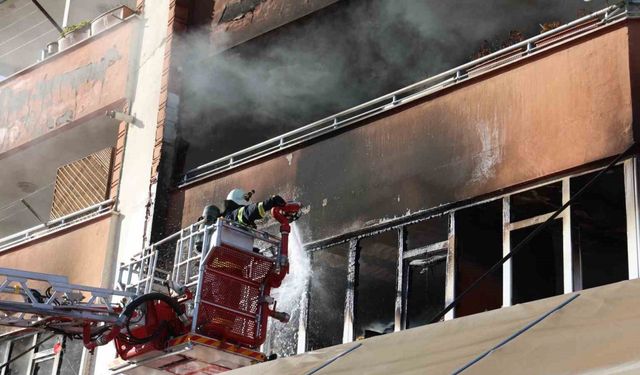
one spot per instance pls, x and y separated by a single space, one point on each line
384 103
54 225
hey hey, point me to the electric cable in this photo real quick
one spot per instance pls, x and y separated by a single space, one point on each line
531 235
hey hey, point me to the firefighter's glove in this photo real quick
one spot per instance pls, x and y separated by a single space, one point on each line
275 201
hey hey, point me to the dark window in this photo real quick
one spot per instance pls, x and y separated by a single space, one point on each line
43 367
599 229
376 285
537 267
327 292
20 365
534 202
70 357
478 244
425 282
47 344
427 232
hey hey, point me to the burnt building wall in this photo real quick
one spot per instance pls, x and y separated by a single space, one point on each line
556 111
335 58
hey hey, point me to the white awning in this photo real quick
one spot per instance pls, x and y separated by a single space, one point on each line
597 333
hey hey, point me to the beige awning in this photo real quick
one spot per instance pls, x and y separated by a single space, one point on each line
598 333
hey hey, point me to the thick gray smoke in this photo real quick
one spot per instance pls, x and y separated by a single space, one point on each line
336 58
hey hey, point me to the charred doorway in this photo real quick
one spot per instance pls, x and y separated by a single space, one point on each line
478 246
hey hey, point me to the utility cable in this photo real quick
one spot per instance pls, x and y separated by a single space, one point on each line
531 235
26 351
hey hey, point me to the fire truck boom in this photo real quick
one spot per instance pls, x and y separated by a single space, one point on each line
210 310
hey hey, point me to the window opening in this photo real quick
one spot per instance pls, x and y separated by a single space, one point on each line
71 357
537 201
478 246
425 280
375 291
21 365
427 232
599 230
327 293
43 366
537 268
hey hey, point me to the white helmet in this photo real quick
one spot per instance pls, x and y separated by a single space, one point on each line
239 196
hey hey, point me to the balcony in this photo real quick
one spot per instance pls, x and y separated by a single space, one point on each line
82 251
25 30
57 145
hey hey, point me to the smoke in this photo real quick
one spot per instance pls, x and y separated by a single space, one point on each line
338 57
283 336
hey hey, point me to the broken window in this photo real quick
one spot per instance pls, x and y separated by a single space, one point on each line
71 356
375 292
478 242
20 364
327 292
599 230
427 232
539 201
537 267
425 279
424 270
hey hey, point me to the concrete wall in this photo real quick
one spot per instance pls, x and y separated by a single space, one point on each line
559 110
136 194
86 78
81 253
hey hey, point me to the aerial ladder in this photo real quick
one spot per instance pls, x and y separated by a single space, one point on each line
196 302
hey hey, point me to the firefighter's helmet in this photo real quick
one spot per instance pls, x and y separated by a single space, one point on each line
239 196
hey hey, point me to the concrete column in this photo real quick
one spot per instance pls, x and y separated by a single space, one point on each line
135 194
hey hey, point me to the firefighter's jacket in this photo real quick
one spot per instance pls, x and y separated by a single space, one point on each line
248 214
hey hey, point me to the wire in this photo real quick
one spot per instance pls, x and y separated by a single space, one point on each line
22 32
531 235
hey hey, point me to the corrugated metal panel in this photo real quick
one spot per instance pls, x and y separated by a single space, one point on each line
81 184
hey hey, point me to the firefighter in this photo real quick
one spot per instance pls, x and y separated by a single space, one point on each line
237 207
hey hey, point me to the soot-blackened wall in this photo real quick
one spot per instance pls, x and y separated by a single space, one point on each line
543 115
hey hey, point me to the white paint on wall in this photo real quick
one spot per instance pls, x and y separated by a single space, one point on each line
490 154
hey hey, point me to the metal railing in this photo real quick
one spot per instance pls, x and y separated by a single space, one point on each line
403 96
55 225
191 250
177 258
141 273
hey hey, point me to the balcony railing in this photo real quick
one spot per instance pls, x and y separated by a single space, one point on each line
407 94
55 225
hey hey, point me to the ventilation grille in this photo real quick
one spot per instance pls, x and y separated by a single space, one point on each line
82 184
